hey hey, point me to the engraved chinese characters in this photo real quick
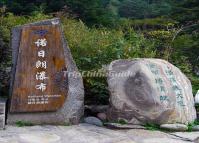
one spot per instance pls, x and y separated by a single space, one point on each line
40 81
154 91
40 60
41 64
176 87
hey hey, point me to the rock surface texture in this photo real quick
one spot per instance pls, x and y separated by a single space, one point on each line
2 113
73 107
174 127
85 133
93 121
197 97
149 91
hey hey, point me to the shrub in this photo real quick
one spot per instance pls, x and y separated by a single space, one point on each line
94 47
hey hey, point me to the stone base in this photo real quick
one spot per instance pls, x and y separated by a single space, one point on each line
2 114
85 133
2 121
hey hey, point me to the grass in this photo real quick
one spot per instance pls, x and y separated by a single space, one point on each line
192 124
67 124
23 124
155 127
152 127
121 122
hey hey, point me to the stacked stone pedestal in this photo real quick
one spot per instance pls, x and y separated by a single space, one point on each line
2 114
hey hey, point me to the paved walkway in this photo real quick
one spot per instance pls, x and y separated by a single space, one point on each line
85 133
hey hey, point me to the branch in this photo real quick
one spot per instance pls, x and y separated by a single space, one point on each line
182 29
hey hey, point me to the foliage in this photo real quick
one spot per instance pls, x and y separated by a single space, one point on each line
185 11
92 12
152 127
195 83
138 9
7 22
147 24
2 52
101 31
186 43
121 122
27 7
192 124
67 124
23 124
94 47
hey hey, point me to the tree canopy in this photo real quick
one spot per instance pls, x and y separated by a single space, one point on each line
100 31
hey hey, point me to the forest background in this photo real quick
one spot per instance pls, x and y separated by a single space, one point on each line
100 31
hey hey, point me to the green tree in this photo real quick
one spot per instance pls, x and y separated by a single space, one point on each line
92 12
133 9
27 7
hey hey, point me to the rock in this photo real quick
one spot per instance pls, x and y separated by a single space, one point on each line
195 128
147 136
93 121
102 116
2 121
86 133
94 110
120 126
149 91
40 137
189 136
134 121
97 108
73 107
82 133
7 141
163 140
2 113
139 134
197 97
125 141
174 127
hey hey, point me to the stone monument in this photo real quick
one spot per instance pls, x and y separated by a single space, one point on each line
149 91
43 90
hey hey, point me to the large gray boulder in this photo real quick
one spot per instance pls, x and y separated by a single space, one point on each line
149 91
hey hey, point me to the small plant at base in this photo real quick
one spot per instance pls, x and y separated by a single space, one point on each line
23 123
152 127
67 124
119 121
122 122
192 124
